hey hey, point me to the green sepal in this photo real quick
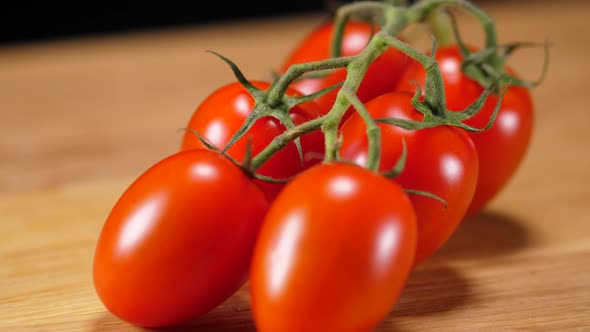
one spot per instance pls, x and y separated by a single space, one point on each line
286 120
291 101
271 179
492 117
408 124
246 125
210 145
427 194
247 161
475 106
254 91
487 65
528 83
417 103
463 49
400 163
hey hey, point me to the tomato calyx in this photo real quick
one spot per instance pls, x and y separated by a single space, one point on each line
393 20
245 165
261 109
267 103
398 168
486 66
433 104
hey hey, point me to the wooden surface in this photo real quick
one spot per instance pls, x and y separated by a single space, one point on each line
81 118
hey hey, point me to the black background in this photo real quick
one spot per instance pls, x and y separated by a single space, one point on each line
29 21
26 21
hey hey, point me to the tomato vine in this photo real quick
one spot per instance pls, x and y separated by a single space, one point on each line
394 19
199 251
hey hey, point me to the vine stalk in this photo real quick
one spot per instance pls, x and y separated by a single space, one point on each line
395 19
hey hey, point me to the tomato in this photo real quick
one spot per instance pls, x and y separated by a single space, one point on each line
334 252
501 149
179 240
223 112
382 75
440 160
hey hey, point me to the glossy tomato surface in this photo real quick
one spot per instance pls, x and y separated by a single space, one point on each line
502 148
223 112
178 242
440 160
382 75
334 252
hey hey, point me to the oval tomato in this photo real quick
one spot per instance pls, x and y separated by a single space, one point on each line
223 112
501 149
334 252
382 75
178 242
440 160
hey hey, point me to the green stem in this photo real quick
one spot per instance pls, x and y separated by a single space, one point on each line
373 131
282 140
356 70
434 94
426 8
343 15
440 24
276 93
395 20
339 25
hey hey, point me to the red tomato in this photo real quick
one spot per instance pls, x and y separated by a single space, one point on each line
178 242
223 112
501 149
441 160
334 252
382 75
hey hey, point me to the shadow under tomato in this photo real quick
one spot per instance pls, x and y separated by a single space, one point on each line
433 287
487 235
433 290
232 315
109 323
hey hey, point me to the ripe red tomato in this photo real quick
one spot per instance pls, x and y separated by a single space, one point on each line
382 75
178 242
441 160
334 252
501 149
223 112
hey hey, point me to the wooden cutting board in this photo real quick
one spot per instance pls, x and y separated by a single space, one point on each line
82 118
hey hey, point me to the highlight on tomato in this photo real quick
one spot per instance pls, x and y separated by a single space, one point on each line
221 114
332 248
381 76
334 252
502 148
441 160
178 242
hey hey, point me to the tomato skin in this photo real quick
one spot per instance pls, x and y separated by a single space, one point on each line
223 112
178 242
440 160
334 252
502 148
382 75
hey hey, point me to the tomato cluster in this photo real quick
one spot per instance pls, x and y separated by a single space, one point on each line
331 247
316 46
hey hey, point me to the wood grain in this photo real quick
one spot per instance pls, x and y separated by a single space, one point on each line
82 118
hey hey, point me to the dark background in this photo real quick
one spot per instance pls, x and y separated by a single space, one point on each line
25 21
28 21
